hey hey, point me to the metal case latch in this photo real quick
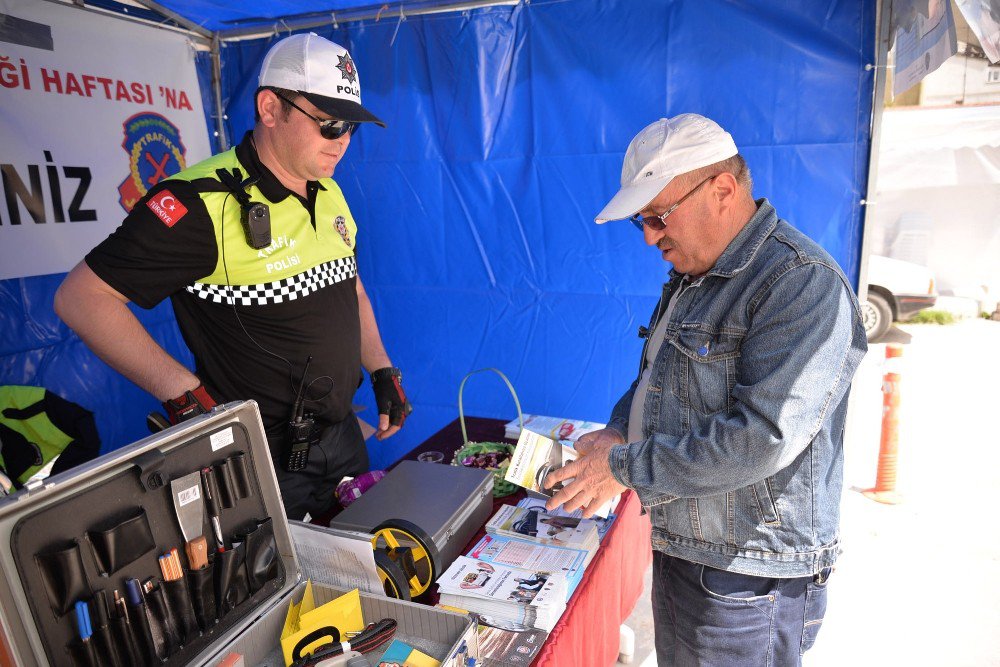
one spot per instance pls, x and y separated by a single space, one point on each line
149 465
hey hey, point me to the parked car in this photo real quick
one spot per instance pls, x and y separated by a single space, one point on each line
897 291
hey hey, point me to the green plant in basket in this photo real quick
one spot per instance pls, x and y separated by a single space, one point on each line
492 456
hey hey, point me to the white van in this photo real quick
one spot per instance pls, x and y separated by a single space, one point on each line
897 290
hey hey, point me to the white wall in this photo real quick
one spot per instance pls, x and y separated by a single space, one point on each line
961 80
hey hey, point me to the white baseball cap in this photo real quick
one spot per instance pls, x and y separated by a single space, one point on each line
323 72
667 148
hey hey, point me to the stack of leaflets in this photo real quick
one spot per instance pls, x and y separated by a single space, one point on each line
535 457
603 524
543 528
507 644
565 430
533 598
527 555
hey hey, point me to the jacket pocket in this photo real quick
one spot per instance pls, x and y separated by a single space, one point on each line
765 502
705 370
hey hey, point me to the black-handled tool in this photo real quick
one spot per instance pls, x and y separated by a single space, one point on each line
214 505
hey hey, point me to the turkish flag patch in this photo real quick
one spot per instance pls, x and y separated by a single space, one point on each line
167 208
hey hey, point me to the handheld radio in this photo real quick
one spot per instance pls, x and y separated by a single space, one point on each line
301 430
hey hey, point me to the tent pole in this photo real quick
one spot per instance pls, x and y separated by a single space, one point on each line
220 125
375 11
882 23
175 17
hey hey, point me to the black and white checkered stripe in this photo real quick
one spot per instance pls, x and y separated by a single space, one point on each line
280 291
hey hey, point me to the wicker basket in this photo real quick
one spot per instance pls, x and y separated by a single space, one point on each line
501 487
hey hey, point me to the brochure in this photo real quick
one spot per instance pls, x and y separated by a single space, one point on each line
530 597
535 457
508 646
502 550
566 431
603 524
538 526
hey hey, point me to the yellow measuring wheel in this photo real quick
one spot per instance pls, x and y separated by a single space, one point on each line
391 575
409 547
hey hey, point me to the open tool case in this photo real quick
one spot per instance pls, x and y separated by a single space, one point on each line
82 534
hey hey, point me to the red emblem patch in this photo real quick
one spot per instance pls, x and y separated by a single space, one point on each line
167 208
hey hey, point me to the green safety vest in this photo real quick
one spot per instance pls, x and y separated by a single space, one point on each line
295 245
27 433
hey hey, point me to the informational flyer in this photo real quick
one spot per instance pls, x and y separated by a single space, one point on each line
341 559
923 44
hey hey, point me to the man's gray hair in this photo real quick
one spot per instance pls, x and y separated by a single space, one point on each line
734 165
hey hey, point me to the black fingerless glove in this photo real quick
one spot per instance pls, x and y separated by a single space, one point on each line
389 395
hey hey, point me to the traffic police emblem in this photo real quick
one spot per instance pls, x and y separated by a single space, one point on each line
341 224
155 152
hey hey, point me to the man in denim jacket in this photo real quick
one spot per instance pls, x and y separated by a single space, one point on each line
732 435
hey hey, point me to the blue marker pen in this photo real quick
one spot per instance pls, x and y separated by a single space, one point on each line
133 589
83 620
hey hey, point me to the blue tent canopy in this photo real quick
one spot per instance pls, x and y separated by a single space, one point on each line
507 126
231 19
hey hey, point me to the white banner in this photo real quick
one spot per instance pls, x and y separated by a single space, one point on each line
94 111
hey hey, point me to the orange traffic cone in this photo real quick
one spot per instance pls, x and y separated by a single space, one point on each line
885 477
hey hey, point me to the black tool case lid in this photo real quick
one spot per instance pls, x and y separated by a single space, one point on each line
67 512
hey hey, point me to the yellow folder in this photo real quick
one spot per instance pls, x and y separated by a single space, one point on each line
332 620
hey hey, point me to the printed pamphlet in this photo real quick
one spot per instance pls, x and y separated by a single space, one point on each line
535 457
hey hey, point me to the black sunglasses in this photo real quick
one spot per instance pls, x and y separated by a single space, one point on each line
658 223
329 129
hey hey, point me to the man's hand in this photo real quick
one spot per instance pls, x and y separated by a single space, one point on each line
606 436
592 483
393 408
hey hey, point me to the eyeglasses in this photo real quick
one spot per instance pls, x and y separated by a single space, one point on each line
658 223
330 129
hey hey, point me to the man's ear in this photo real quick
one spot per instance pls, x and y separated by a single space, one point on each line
268 107
724 190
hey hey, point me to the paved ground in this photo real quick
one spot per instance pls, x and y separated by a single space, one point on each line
918 583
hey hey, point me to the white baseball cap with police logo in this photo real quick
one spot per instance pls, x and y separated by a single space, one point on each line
323 72
665 149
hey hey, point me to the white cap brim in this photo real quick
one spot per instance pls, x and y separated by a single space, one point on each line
631 199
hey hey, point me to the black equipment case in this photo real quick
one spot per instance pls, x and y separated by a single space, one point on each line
81 534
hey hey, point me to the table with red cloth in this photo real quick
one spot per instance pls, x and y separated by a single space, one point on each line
587 633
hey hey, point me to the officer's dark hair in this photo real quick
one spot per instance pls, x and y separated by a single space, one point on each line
284 95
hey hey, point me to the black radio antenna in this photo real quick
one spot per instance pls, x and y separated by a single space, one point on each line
297 410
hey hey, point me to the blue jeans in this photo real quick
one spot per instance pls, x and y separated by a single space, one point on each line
705 616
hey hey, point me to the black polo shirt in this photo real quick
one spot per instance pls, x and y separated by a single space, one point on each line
251 318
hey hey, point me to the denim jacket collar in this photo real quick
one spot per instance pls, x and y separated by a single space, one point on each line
742 249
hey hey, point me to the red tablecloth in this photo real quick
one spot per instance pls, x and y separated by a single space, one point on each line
587 633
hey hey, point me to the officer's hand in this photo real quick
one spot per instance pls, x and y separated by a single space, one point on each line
192 403
589 441
591 483
393 408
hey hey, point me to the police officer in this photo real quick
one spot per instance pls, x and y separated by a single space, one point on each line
255 247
